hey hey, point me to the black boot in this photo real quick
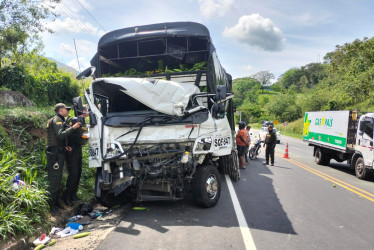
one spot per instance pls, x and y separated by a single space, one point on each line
54 210
74 198
67 200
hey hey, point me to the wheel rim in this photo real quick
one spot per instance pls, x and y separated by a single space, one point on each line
211 186
360 167
318 156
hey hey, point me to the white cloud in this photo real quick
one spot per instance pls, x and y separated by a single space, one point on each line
83 62
72 7
73 26
211 8
86 48
248 70
257 31
66 49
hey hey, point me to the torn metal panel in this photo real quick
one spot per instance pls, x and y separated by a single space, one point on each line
164 96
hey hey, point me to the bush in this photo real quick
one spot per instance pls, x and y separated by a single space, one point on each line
22 150
26 208
41 88
295 127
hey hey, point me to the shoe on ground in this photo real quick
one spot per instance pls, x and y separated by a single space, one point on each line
74 198
266 163
242 167
68 202
54 210
272 164
59 204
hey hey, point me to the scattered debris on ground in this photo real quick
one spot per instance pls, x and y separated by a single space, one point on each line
97 224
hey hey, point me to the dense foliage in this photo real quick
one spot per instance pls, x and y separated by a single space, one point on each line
41 81
22 150
20 24
344 81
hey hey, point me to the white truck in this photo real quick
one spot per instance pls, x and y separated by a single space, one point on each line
342 136
161 120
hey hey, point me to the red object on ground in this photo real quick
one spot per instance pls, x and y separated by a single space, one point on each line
286 152
42 237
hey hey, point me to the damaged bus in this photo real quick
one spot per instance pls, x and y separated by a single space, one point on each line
161 120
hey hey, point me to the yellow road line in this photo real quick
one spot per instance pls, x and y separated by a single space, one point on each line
341 183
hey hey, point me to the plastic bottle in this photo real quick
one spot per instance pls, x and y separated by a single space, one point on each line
17 182
75 218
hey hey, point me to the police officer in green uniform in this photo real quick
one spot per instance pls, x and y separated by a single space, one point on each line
74 159
56 136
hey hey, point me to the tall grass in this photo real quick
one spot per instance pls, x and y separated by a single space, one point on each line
24 210
294 129
21 209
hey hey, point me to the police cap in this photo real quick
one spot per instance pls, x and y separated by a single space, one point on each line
59 106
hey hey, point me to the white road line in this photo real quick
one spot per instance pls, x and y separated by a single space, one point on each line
247 236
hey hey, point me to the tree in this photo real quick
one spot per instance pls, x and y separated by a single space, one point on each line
20 23
283 107
263 77
242 85
290 77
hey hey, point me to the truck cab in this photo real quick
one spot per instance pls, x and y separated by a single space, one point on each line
364 144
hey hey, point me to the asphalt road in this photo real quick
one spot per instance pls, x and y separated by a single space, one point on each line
295 204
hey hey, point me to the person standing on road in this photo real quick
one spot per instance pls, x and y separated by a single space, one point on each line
56 145
241 143
249 143
74 159
270 142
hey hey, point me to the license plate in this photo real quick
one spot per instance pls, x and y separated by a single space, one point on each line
222 142
93 153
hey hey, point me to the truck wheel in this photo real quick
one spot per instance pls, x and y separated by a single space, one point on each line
206 186
234 166
360 168
321 158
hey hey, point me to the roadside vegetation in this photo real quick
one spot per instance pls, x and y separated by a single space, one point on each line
22 151
345 80
24 209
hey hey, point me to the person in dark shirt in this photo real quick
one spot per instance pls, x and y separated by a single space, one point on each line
56 146
74 160
270 142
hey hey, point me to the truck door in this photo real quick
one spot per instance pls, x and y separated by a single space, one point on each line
365 140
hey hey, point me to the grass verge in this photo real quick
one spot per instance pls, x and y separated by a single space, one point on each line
24 209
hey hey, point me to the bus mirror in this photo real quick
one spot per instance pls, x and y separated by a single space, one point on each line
221 92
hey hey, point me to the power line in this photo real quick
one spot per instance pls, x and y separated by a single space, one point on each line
78 22
91 15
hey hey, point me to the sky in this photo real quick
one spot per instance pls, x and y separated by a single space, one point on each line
249 35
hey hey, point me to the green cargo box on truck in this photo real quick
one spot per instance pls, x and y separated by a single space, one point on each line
342 136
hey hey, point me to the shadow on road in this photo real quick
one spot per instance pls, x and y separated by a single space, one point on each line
165 214
260 203
343 167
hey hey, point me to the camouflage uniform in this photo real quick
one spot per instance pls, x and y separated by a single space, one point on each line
74 161
56 135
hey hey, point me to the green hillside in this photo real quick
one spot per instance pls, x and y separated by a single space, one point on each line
345 80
